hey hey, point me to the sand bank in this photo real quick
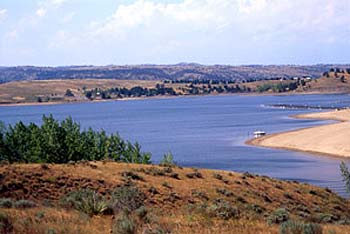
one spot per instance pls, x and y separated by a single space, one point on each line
331 139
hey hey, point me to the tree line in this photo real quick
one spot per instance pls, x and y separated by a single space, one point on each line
136 91
62 142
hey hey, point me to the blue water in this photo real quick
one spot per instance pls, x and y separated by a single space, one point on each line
206 131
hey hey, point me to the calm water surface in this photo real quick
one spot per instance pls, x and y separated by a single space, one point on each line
206 131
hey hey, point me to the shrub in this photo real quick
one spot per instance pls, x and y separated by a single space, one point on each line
217 176
6 203
132 175
167 185
195 174
44 166
324 218
124 225
278 216
153 190
168 160
224 192
174 175
86 201
23 204
223 210
296 227
127 198
200 194
63 141
6 225
142 214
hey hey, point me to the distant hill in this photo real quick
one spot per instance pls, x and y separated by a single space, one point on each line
179 71
333 81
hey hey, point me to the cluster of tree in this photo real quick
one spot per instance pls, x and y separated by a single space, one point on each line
338 73
197 82
280 87
61 142
136 91
338 70
161 72
209 89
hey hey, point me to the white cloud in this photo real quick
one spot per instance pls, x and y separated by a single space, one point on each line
251 17
58 3
12 34
192 30
41 12
3 14
68 17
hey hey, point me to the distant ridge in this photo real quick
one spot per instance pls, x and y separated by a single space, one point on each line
180 71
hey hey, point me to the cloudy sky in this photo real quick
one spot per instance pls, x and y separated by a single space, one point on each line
101 32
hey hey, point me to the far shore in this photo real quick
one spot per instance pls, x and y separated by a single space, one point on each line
329 139
9 104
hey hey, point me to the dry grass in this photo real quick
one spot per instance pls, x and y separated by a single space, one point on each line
178 207
28 91
331 84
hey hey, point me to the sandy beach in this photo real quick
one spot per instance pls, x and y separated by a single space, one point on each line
331 139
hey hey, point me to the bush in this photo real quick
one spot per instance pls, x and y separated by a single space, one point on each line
63 141
132 175
224 192
6 203
23 204
296 227
168 160
6 225
86 201
127 198
223 210
195 174
124 225
278 216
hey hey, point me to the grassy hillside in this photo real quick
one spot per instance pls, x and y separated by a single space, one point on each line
177 200
162 72
29 91
329 82
55 90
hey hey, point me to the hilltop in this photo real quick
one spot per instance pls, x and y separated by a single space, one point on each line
178 200
182 71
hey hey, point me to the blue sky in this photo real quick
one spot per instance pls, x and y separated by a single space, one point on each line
77 32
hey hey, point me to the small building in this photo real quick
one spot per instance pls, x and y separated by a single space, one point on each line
258 134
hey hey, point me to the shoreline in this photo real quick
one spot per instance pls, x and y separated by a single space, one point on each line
159 97
326 140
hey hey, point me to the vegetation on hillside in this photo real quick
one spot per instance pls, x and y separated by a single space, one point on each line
107 197
61 142
164 72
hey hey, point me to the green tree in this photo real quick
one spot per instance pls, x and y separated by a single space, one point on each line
344 170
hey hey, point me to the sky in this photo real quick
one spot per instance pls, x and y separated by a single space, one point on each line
235 32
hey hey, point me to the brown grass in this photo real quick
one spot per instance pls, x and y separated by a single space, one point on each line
175 206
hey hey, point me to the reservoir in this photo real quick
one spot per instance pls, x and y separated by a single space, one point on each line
207 131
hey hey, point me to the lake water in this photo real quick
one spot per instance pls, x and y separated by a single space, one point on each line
206 131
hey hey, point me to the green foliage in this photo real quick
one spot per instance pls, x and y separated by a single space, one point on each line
24 204
168 160
69 93
6 203
278 216
6 225
344 170
296 227
125 224
277 88
86 201
223 210
132 175
127 199
61 142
